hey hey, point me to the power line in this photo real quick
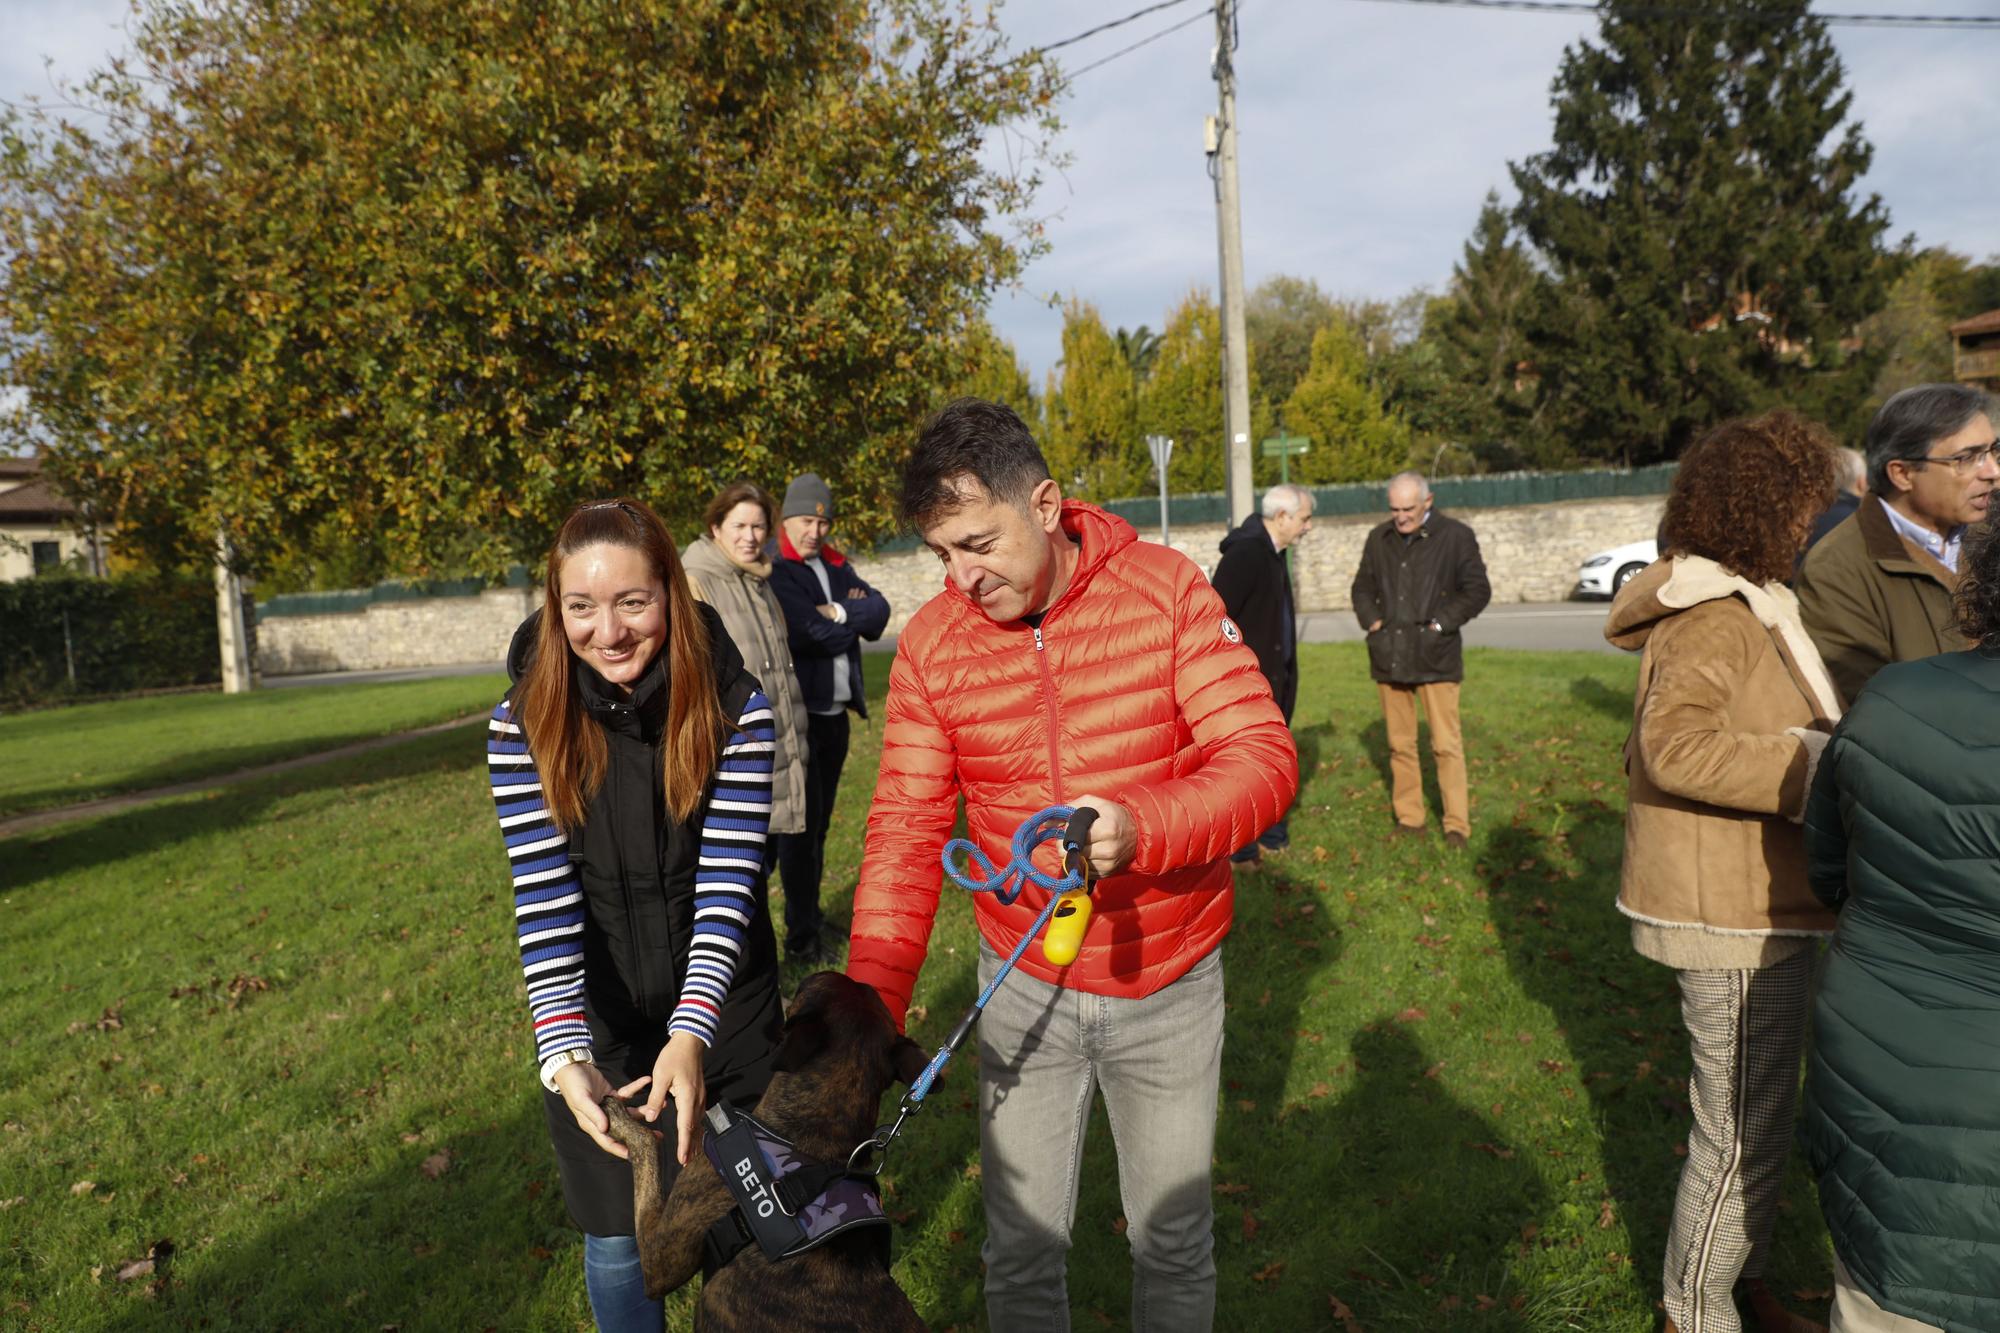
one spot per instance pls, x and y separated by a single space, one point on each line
1958 22
1143 41
1114 23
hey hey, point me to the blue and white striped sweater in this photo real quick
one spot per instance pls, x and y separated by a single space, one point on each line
548 899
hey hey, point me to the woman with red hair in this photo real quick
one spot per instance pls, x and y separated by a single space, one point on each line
631 768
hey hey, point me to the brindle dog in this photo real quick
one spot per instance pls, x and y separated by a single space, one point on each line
840 1054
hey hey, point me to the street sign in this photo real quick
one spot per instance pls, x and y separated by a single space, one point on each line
1282 447
1162 449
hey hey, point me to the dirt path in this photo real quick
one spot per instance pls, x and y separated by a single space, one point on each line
41 819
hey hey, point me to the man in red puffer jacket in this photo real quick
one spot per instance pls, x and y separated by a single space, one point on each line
1067 662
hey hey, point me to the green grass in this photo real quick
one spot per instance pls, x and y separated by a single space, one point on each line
62 755
1452 1100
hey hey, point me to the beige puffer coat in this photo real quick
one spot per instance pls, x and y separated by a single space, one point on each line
750 613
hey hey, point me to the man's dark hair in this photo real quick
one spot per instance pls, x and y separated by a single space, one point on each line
970 439
1912 421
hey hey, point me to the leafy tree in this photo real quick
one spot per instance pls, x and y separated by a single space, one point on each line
429 272
1182 398
1697 212
1092 434
1280 317
1337 404
1911 333
991 369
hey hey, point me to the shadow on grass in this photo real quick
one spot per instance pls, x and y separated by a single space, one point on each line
472 1248
86 844
1393 1194
1593 693
1570 949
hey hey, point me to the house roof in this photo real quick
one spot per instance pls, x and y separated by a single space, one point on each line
20 465
34 502
1986 323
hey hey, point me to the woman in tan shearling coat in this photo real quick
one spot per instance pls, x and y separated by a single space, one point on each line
1732 710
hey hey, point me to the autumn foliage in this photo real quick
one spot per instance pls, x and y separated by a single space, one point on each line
409 279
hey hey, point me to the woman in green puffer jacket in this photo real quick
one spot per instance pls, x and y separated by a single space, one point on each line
1903 1083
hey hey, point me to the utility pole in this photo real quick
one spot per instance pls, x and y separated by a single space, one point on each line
1229 232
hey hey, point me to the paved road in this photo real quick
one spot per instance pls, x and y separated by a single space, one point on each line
1553 626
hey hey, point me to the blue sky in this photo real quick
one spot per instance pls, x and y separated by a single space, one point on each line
1370 134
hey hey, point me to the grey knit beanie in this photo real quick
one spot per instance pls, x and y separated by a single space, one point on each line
808 497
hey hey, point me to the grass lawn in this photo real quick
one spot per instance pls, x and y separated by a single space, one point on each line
59 756
282 1028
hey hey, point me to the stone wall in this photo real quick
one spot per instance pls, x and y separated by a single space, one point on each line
1532 554
421 632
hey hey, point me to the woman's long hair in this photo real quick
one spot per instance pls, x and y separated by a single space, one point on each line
568 748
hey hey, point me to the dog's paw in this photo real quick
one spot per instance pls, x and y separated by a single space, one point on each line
623 1126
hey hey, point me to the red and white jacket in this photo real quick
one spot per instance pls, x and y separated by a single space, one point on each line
1136 687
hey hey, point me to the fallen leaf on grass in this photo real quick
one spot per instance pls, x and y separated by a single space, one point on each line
542 1252
1348 1323
83 1187
411 1137
1504 1154
1231 1188
1269 1272
1412 1015
1813 1294
1250 1225
13 1202
1118 1225
1606 1216
1435 1070
1320 1090
435 1165
137 1268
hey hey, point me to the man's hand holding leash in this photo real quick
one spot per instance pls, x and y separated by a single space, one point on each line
1114 838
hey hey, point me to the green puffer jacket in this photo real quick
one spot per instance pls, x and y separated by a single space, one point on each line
1903 1084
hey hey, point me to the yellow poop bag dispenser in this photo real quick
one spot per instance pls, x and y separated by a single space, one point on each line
1064 937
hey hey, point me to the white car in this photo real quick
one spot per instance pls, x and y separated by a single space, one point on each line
1606 572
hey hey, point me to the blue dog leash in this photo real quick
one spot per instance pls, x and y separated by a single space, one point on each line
979 876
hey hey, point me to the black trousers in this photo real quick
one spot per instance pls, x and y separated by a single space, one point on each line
802 856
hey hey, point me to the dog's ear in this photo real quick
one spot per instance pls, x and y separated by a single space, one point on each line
908 1060
805 1037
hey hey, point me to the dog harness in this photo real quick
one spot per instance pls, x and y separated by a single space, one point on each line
784 1202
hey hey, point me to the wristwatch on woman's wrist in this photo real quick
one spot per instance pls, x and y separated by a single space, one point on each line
576 1055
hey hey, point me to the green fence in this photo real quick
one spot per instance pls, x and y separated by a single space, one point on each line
1490 491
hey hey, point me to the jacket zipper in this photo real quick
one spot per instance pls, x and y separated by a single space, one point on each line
1049 703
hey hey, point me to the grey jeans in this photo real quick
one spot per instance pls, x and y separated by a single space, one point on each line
1043 1050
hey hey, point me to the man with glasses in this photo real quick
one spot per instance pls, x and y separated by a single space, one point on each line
1878 589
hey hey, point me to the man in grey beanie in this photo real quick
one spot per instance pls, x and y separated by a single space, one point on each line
828 611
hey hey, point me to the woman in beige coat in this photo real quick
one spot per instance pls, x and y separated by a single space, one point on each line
1733 709
726 568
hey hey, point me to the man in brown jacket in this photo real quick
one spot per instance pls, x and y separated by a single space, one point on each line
1878 588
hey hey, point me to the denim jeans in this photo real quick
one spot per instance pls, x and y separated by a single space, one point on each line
1043 1050
617 1288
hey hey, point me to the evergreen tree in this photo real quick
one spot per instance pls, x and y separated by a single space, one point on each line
1182 397
1479 336
1338 406
1698 213
1092 437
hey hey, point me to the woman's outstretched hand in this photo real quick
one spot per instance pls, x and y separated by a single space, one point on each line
584 1087
677 1074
